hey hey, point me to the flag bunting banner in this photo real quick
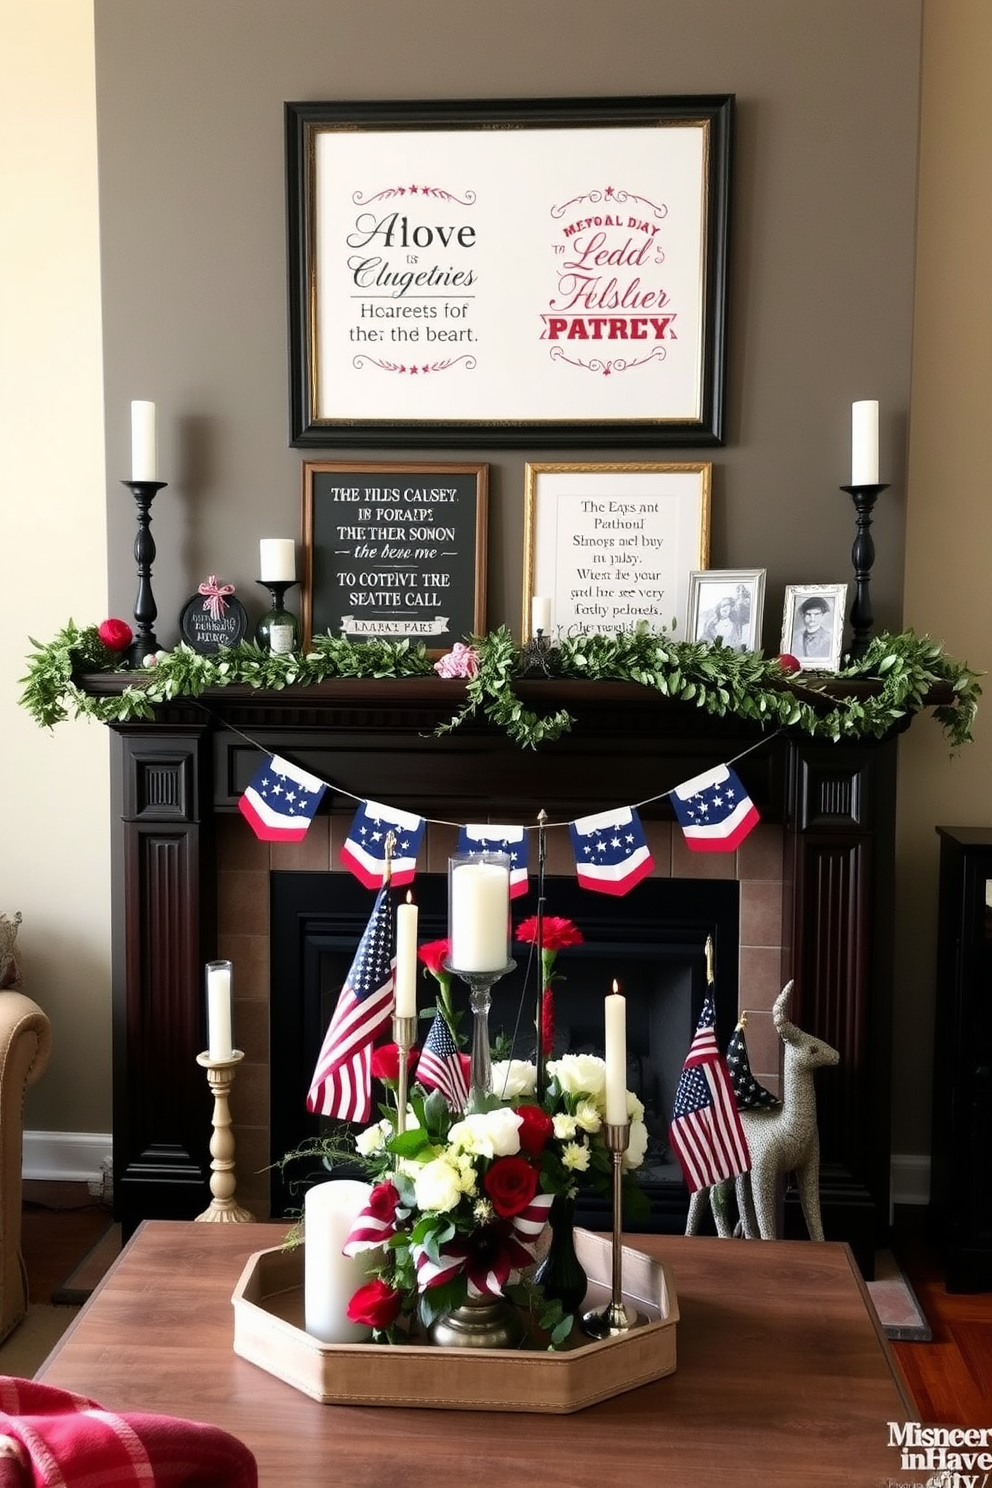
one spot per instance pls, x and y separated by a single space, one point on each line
280 800
364 850
509 840
442 1067
611 853
342 1078
706 1133
714 811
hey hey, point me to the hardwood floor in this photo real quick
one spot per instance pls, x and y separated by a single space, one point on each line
950 1378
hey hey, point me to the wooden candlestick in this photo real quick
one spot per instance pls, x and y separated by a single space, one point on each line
223 1207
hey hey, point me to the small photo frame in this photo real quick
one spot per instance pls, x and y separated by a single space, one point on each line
726 607
813 625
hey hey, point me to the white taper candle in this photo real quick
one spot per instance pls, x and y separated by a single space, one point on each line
616 1059
144 460
864 443
220 1045
406 959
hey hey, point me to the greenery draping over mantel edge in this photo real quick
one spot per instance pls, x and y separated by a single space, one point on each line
901 668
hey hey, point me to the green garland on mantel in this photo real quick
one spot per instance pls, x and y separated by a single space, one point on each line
893 681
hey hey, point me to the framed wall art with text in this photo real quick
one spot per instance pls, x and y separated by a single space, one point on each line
508 272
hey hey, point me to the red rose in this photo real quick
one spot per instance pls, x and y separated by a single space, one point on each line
433 955
375 1305
383 1201
536 1127
386 1062
511 1183
116 635
556 932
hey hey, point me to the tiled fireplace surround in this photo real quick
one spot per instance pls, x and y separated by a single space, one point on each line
243 867
192 882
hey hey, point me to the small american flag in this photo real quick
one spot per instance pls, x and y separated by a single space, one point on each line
442 1067
342 1079
706 1133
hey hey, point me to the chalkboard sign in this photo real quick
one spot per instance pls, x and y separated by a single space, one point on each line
213 618
394 552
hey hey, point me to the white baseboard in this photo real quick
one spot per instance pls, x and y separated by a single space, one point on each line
909 1177
68 1157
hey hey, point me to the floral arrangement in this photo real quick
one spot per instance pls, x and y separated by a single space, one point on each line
460 1201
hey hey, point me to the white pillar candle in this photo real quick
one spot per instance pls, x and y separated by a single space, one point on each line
219 1039
331 1279
406 960
479 914
616 1059
144 464
277 560
864 443
540 614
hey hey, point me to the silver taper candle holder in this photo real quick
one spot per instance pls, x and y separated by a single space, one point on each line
223 1207
404 1034
615 1317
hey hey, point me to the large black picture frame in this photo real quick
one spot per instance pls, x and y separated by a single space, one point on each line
508 272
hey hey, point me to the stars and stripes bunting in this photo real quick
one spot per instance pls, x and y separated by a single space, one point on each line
364 850
714 811
342 1078
706 1133
486 837
280 800
611 851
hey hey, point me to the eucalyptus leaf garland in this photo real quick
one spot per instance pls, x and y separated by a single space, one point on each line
897 675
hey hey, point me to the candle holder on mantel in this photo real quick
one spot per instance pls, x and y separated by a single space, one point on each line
863 557
278 630
616 1317
536 656
145 642
223 1207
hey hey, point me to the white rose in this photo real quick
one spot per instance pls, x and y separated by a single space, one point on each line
487 1133
636 1146
437 1186
373 1138
579 1074
635 1107
512 1078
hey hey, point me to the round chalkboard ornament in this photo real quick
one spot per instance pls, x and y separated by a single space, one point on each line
213 618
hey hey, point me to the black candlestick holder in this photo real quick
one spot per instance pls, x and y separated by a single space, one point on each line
536 655
863 557
145 609
278 630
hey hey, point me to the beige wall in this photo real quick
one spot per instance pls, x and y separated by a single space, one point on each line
949 529
54 839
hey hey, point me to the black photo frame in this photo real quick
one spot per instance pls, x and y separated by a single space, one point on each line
508 272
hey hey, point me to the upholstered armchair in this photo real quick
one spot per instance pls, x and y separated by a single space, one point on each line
25 1043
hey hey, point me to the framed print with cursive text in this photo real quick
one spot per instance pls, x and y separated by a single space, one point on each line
612 546
508 272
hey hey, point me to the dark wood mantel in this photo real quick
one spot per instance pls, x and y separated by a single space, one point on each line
177 773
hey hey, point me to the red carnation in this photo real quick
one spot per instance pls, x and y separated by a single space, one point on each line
375 1305
386 1062
511 1183
434 954
536 1127
116 635
556 932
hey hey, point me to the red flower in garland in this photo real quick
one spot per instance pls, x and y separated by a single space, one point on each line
116 635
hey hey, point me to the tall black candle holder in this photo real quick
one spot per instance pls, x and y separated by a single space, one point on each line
863 557
145 608
278 629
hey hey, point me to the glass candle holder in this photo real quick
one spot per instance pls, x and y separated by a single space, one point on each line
479 912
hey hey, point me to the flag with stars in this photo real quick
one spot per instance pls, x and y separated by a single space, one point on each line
747 1092
706 1133
611 852
508 840
364 851
714 811
442 1067
280 800
342 1077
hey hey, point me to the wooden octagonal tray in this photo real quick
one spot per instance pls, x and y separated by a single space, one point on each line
268 1331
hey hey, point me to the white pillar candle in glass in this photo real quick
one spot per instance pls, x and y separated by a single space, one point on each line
864 443
219 1039
616 1059
277 560
144 461
406 960
331 1279
540 615
479 911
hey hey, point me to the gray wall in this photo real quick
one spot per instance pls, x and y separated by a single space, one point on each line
190 96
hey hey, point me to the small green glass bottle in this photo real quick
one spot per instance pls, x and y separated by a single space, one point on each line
278 630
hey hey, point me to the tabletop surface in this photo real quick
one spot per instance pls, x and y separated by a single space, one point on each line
783 1376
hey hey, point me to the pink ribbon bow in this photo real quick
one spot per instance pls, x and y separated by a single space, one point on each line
214 592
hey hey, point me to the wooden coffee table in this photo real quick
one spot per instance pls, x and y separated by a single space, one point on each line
784 1378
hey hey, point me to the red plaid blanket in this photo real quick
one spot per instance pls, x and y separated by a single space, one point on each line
51 1438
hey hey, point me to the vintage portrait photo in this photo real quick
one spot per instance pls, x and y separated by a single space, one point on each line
813 625
725 606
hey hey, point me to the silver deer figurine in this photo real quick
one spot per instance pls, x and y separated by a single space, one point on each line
781 1139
